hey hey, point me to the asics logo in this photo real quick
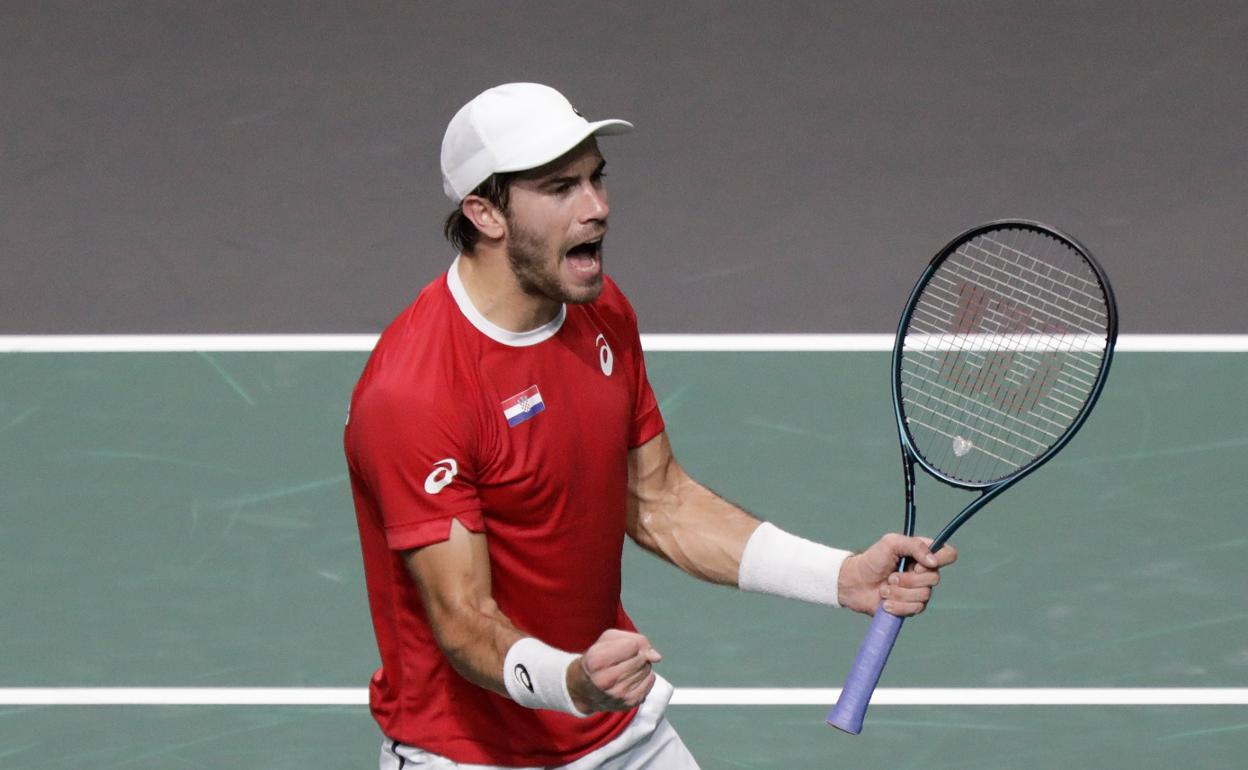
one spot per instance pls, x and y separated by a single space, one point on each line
606 359
443 473
522 676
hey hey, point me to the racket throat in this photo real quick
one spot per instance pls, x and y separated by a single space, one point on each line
943 536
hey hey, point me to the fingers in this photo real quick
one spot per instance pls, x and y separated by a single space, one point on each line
945 556
619 666
614 647
907 593
622 676
622 690
904 609
918 549
908 583
632 689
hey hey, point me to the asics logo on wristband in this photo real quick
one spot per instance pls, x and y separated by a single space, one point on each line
606 359
443 474
522 676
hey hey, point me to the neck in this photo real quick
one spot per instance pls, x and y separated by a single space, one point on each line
497 295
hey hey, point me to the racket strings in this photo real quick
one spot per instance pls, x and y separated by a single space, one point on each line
1038 295
994 323
1030 349
1003 348
1048 301
957 401
1088 287
1007 280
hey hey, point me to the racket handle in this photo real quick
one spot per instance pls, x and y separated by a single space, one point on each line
851 707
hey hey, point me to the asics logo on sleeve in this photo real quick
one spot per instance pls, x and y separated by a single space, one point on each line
606 359
443 473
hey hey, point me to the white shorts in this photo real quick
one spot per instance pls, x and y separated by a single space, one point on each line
649 742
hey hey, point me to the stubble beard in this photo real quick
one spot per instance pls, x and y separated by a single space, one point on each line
526 253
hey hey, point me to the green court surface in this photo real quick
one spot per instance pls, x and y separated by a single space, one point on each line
183 519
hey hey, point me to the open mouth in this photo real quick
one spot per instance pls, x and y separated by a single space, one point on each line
586 257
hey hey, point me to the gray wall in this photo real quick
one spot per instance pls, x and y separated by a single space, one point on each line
272 166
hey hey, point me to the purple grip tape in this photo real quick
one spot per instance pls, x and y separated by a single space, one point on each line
851 707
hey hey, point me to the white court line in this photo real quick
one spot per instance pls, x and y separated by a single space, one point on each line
185 343
970 696
694 343
684 696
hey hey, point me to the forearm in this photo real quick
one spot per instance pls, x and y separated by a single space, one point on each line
710 538
474 634
486 648
475 638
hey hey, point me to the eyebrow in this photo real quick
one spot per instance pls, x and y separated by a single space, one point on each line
557 181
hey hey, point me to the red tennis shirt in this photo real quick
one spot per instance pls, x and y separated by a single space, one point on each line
523 437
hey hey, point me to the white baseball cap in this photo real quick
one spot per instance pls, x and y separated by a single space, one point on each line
512 127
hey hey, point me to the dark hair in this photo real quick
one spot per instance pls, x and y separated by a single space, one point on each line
459 229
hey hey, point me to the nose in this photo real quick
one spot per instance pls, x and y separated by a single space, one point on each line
594 206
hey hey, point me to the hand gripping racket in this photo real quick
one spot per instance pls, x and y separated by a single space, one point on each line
1000 355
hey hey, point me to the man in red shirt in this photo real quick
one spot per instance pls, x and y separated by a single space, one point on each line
503 440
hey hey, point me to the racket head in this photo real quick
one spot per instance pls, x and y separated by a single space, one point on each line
1001 352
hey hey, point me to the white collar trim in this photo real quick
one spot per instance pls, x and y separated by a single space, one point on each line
493 330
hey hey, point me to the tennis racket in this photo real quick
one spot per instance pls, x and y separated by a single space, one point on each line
1001 353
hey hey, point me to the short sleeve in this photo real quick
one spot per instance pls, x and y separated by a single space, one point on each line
647 419
415 455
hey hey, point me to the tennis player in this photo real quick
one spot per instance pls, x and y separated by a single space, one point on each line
504 439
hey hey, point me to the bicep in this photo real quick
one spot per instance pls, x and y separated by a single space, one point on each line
675 517
654 480
452 572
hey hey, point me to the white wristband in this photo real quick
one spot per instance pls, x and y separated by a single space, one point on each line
536 676
775 562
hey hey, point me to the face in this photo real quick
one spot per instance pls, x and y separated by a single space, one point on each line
555 226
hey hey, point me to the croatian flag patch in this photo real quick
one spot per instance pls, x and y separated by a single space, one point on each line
522 406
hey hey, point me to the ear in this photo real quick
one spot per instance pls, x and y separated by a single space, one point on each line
485 216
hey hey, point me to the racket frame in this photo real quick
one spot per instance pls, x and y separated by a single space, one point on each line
850 710
990 489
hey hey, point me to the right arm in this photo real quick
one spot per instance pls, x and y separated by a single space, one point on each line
396 436
454 580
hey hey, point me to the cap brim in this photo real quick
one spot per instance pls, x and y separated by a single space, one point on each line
556 150
610 126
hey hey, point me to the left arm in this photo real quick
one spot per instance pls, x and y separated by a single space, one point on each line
683 522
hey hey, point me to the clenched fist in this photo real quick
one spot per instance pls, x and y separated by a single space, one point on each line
614 674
